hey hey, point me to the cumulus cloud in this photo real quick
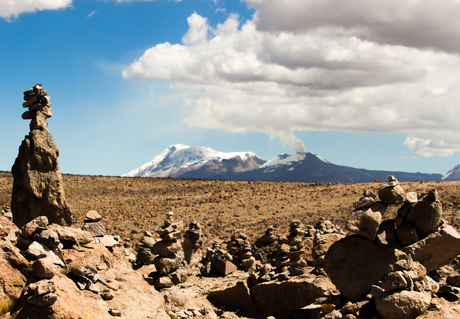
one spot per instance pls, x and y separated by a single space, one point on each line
13 8
322 73
421 24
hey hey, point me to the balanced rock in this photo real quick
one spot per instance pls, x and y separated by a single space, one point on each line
38 185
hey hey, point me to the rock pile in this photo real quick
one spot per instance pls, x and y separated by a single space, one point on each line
144 250
240 248
217 262
290 250
391 259
93 224
193 241
169 251
38 186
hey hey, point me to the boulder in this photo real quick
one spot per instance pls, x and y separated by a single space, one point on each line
237 296
366 222
284 297
437 249
165 265
403 304
354 264
426 214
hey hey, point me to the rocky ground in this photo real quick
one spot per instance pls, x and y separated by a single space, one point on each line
132 206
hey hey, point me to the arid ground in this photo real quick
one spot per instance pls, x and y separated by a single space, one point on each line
130 206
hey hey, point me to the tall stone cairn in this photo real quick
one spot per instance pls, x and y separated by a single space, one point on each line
38 186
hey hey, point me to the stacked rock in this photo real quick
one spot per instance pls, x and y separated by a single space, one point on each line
265 246
38 104
296 248
406 291
144 250
240 248
92 224
168 248
38 185
192 241
217 262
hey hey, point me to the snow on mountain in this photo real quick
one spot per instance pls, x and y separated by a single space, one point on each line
286 159
179 159
453 174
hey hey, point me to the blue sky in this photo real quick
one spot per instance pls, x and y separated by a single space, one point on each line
362 83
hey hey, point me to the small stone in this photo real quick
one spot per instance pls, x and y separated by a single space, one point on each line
92 216
49 238
115 312
95 228
44 268
107 294
163 282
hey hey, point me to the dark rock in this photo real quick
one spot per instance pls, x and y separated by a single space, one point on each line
437 249
386 236
426 215
287 296
354 264
407 234
237 296
224 267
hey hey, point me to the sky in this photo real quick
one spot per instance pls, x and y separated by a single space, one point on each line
363 83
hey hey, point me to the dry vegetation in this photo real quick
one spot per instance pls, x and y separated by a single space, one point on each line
132 205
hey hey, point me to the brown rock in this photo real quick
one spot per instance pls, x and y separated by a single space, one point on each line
354 264
403 304
73 235
366 223
92 216
285 297
437 249
426 215
392 193
237 296
38 185
97 229
386 234
224 267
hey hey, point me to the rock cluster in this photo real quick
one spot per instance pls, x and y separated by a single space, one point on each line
169 251
38 186
217 262
290 251
390 258
240 248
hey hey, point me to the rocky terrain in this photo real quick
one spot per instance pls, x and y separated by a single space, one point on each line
129 207
188 248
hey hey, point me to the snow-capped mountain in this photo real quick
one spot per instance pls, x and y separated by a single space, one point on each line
186 161
453 174
311 168
183 161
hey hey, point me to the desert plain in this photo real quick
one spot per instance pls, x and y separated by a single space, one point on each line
129 206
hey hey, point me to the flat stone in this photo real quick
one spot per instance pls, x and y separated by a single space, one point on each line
237 296
92 216
97 229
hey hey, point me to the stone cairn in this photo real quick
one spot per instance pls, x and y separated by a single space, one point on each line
389 260
92 224
264 246
290 250
193 241
217 262
170 253
240 248
38 185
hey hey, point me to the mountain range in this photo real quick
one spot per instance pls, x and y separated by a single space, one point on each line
184 161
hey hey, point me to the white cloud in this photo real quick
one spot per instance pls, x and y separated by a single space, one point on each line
316 75
13 8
